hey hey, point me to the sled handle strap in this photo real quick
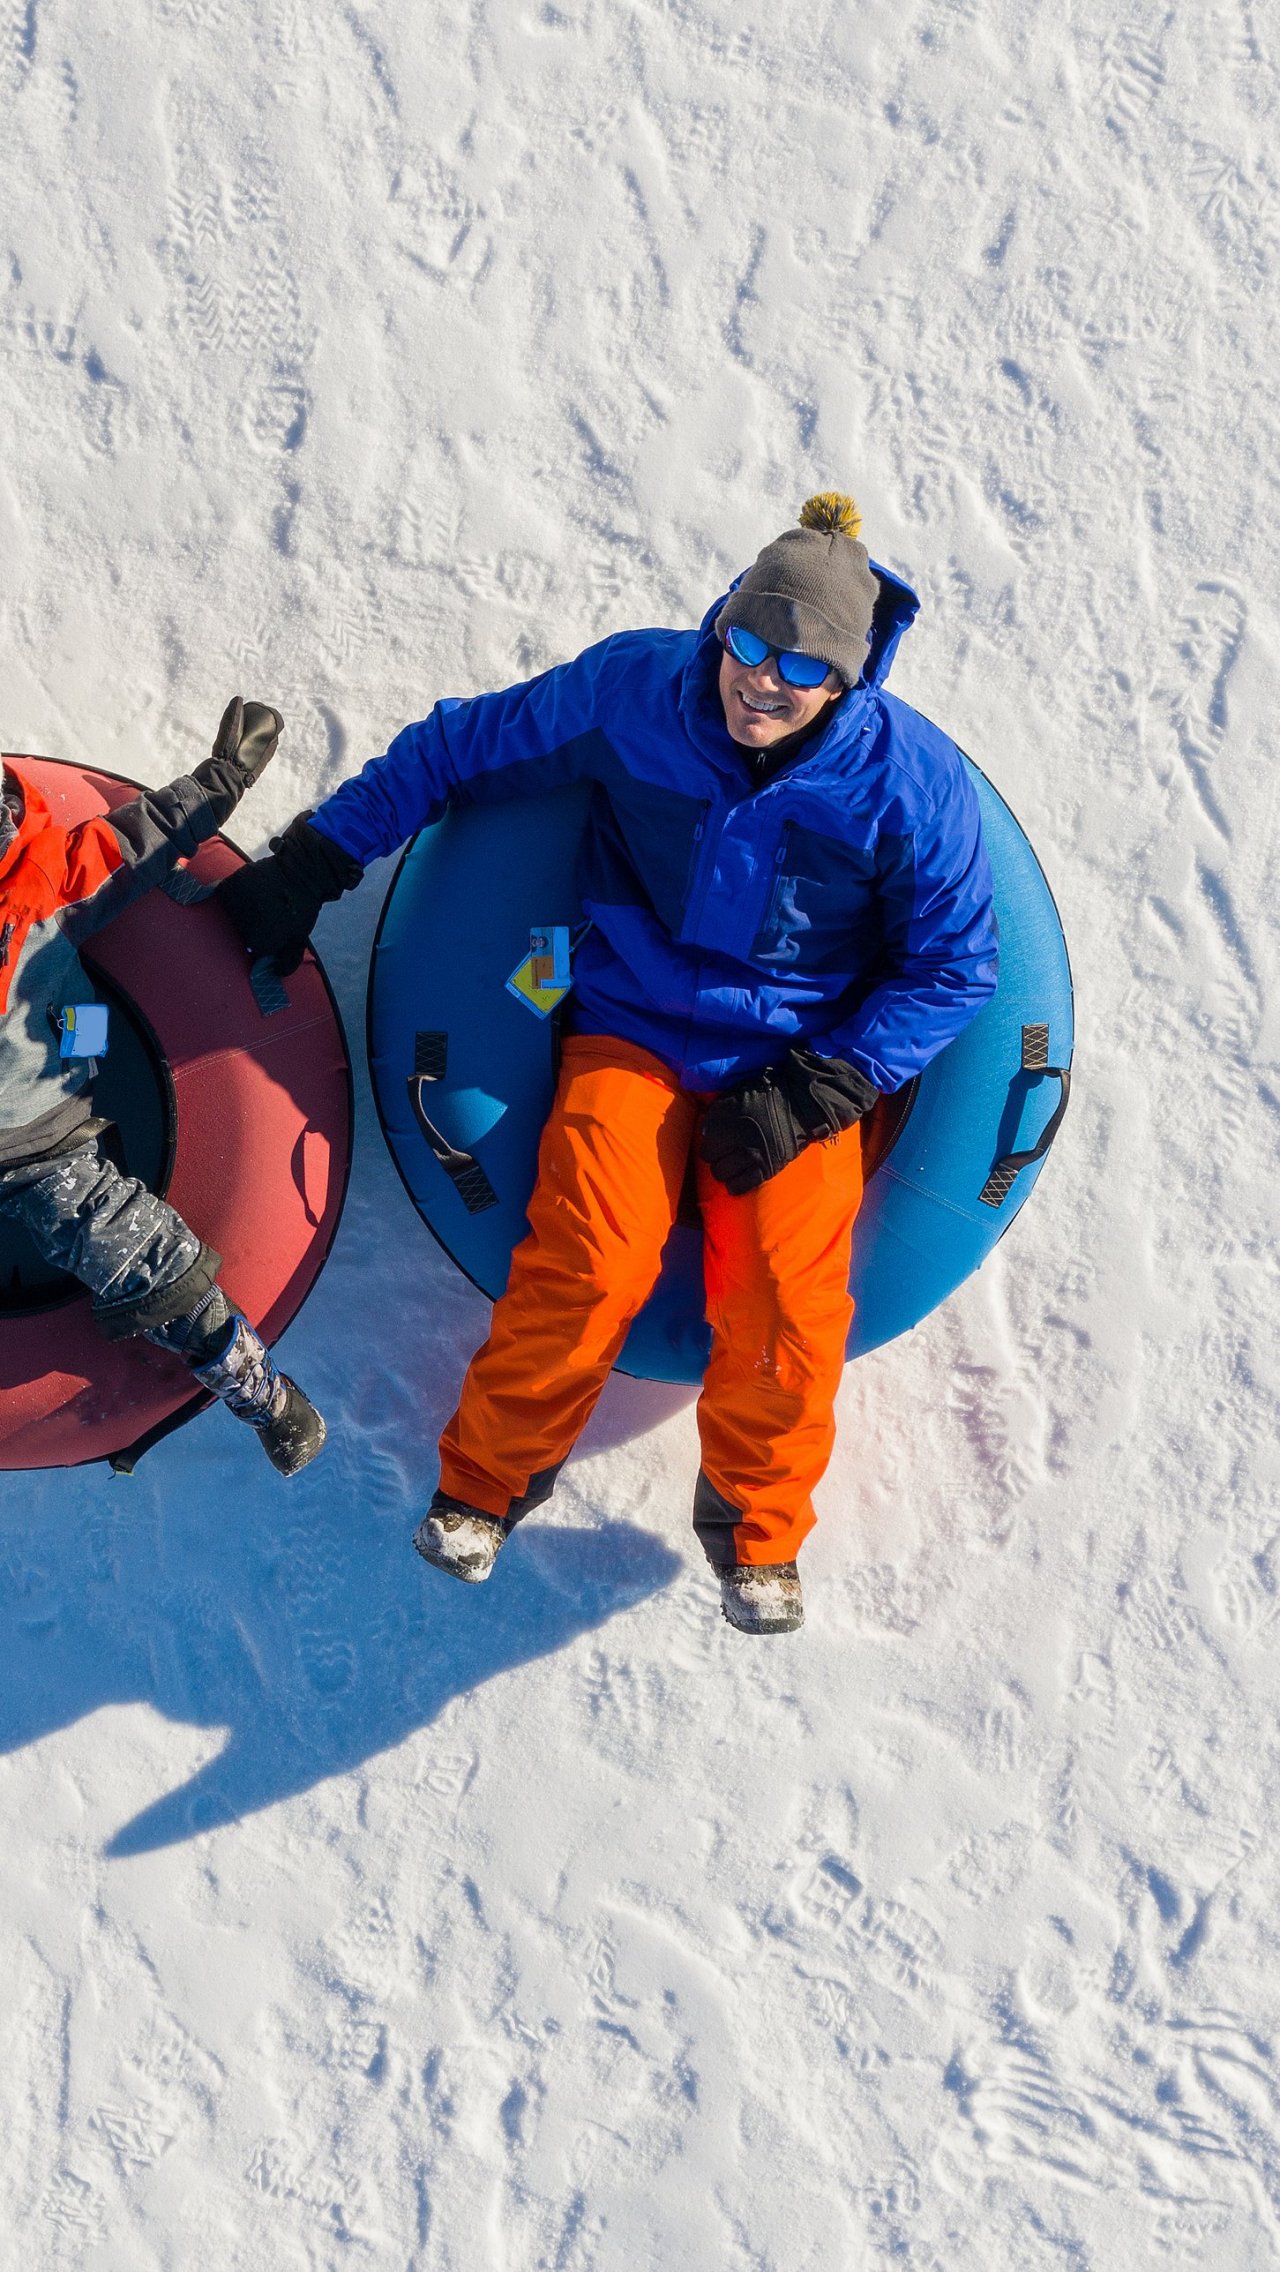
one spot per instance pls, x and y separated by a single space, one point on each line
430 1057
186 890
267 986
1035 1059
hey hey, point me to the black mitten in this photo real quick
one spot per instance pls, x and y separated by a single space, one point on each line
274 902
243 747
752 1131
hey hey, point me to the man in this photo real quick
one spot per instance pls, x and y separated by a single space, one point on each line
791 912
150 1274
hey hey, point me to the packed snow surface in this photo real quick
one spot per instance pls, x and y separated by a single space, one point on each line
351 355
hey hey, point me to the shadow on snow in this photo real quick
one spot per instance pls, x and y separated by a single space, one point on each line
317 1643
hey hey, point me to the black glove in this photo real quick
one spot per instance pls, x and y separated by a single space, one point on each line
243 747
765 1123
274 902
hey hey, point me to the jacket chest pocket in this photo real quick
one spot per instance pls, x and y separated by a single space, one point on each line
821 913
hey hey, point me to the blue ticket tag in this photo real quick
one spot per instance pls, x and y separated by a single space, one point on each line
82 1030
549 951
544 977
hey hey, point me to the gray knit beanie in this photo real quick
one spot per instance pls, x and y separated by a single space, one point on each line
812 588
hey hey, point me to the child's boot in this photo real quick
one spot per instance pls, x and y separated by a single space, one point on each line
243 1375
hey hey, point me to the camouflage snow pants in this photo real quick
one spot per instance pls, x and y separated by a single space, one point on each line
148 1273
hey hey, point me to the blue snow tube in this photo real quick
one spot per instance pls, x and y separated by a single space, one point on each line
464 1072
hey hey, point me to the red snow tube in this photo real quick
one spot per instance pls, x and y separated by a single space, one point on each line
239 1113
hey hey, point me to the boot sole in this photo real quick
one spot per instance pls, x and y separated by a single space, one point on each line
295 1466
765 1628
303 1457
759 1609
452 1569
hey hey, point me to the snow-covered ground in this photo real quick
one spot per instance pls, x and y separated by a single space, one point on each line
351 355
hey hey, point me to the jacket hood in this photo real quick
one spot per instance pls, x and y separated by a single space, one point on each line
896 609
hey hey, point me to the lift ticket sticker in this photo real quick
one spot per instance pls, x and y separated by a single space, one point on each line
82 1030
542 980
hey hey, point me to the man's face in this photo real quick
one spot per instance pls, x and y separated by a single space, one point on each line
760 708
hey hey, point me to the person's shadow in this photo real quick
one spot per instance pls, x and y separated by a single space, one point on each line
296 1617
315 1645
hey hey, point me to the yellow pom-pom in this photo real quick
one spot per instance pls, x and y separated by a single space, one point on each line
831 514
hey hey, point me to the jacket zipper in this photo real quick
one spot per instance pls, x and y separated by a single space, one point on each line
691 873
6 939
699 832
779 866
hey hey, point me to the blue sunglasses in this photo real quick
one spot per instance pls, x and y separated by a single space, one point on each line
794 668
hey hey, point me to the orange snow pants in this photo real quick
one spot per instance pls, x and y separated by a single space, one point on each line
610 1174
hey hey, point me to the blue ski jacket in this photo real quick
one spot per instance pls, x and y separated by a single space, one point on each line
845 904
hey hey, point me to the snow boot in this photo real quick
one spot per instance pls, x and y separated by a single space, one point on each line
460 1539
762 1598
243 1376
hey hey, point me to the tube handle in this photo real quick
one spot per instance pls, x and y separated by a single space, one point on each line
1035 1059
430 1058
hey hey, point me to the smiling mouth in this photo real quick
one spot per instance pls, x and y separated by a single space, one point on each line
764 709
